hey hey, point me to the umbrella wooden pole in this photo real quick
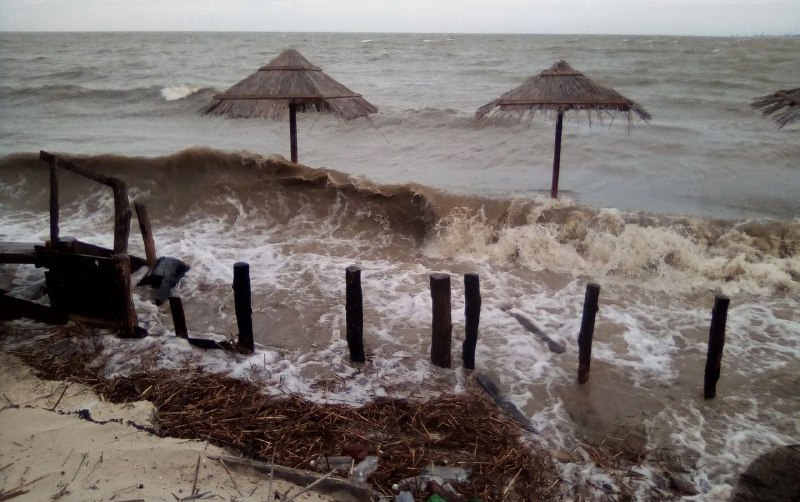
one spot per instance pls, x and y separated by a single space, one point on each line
557 156
293 130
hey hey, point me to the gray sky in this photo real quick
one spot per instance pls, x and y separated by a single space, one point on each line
669 17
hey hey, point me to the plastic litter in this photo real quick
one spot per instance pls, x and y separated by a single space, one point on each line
404 497
448 473
338 463
363 469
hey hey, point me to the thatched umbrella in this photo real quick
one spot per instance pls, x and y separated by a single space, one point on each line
783 106
559 89
288 83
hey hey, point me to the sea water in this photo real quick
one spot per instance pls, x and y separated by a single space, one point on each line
664 216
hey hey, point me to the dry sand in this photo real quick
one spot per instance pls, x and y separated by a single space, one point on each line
48 452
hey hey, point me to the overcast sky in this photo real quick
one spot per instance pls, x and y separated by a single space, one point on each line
669 17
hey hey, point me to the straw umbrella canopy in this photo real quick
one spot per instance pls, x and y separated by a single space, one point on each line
558 89
783 106
288 83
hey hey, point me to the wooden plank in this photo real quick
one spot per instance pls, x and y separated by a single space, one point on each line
16 308
17 252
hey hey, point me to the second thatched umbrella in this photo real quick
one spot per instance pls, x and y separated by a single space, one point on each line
558 89
783 106
288 83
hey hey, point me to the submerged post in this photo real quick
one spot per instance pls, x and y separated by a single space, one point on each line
442 326
472 315
557 155
293 130
241 299
587 331
54 201
147 232
178 317
354 308
716 340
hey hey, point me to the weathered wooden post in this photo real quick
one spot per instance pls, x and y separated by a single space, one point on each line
442 326
242 298
178 317
127 314
354 308
587 331
293 130
147 232
557 155
54 202
122 216
472 315
716 340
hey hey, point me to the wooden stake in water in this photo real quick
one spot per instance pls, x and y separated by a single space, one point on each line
472 317
716 341
178 317
587 331
354 309
244 310
442 328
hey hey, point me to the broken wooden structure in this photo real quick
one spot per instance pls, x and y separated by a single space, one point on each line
84 282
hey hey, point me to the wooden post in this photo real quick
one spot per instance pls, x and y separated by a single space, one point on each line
178 317
241 298
354 308
442 327
54 201
472 315
557 156
127 314
122 217
587 331
716 340
293 130
147 232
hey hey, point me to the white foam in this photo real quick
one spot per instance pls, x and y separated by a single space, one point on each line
176 92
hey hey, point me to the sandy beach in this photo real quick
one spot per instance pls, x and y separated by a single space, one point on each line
61 441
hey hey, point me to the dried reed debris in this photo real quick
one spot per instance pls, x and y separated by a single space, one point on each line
408 436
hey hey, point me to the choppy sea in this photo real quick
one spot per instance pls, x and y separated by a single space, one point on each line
702 200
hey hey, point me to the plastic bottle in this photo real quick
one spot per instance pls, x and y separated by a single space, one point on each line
333 463
404 497
363 469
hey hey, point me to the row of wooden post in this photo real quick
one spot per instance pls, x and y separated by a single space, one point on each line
441 325
441 329
716 339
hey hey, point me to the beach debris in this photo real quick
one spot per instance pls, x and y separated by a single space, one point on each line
470 431
556 346
507 406
404 496
341 463
164 275
365 468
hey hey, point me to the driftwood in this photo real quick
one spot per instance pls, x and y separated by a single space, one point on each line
507 406
554 345
340 489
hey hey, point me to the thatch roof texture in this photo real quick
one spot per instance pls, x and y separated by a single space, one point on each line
560 88
288 79
783 106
